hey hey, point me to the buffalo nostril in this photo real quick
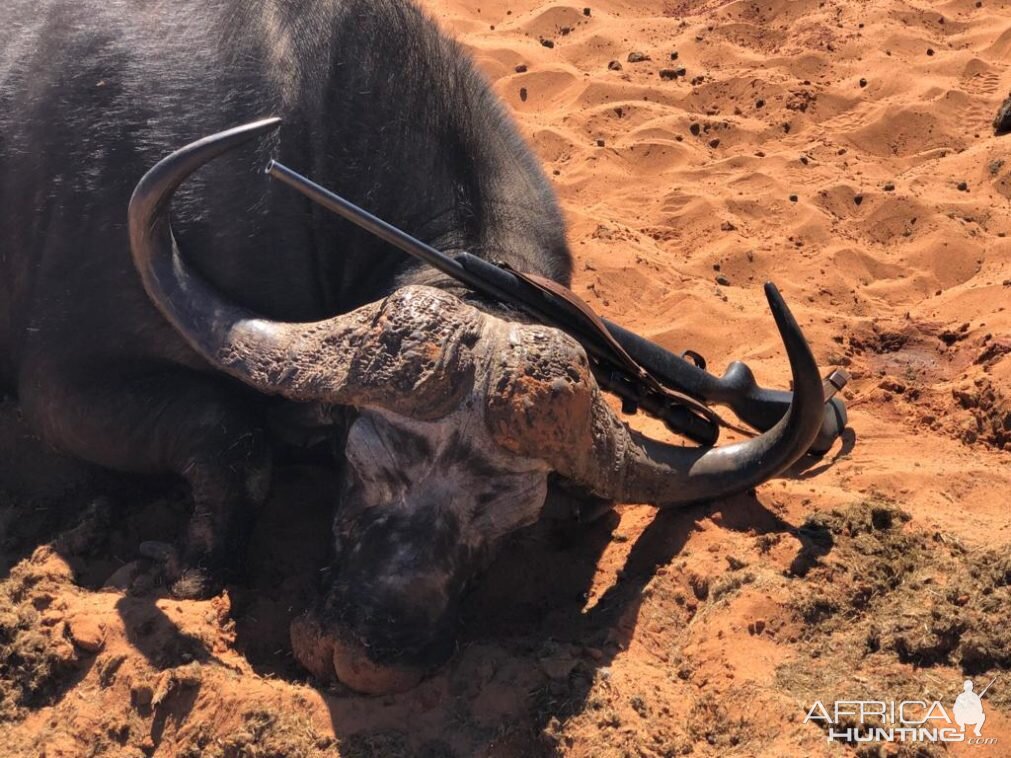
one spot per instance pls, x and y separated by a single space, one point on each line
356 670
312 648
320 651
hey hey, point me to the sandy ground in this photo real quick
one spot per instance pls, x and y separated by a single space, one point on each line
841 149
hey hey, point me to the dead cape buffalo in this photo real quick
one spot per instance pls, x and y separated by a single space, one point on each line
253 299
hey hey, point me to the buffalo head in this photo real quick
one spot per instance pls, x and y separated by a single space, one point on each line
462 416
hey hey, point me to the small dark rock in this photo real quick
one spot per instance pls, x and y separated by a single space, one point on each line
930 51
614 66
635 57
674 56
962 187
714 143
547 43
600 143
759 103
722 280
586 11
523 94
521 69
1002 121
668 74
889 187
892 385
858 199
695 129
699 585
736 564
863 82
793 198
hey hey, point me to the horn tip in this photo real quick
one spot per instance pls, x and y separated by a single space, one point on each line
789 329
773 294
245 132
262 126
269 121
780 310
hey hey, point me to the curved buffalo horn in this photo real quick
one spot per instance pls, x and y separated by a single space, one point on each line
618 463
197 312
345 360
421 352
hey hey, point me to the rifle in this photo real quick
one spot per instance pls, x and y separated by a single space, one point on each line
987 687
644 375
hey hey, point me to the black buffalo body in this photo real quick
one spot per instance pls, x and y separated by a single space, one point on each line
376 104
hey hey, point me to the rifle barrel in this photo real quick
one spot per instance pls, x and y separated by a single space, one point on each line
385 231
505 287
987 687
489 279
